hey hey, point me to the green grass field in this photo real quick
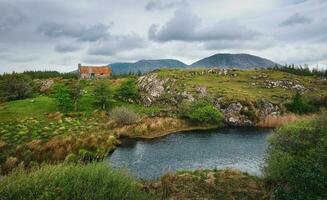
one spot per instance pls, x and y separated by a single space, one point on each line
34 107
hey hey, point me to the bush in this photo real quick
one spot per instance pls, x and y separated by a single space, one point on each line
15 86
93 181
200 112
299 105
297 160
63 96
124 116
128 91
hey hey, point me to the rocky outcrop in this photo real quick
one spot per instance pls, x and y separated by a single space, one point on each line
153 87
167 91
45 85
286 84
234 115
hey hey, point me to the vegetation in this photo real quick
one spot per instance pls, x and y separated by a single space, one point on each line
103 96
200 112
209 184
124 116
128 91
49 74
67 181
299 105
296 163
15 87
63 98
300 70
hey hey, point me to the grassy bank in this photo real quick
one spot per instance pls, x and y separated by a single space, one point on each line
93 181
155 127
208 184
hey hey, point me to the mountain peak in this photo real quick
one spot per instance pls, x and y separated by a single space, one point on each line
228 60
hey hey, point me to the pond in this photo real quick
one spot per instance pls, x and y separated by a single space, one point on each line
239 148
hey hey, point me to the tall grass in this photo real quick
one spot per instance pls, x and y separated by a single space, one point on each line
93 181
277 121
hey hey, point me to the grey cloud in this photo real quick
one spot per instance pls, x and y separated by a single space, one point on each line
296 1
260 43
296 19
159 5
80 32
10 17
114 44
186 26
67 47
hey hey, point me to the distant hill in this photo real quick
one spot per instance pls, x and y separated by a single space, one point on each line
242 61
145 66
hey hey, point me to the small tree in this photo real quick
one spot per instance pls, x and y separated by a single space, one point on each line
76 94
103 96
63 97
299 105
15 86
128 91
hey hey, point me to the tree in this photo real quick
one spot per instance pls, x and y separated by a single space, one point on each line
128 91
299 105
15 86
103 96
76 94
63 97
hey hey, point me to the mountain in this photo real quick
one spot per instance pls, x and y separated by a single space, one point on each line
242 61
145 66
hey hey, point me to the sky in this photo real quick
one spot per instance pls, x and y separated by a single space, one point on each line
59 34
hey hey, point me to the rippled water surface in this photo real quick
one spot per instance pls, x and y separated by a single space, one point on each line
243 149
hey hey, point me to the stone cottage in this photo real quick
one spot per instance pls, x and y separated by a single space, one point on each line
94 72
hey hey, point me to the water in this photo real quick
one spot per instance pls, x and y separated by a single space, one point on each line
240 148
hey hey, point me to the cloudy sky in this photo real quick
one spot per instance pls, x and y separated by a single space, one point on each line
58 34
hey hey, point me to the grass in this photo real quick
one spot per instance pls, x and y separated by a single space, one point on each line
242 86
26 108
66 181
209 184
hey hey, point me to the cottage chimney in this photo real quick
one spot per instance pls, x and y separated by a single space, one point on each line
79 67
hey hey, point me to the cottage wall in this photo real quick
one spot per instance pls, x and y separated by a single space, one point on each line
94 72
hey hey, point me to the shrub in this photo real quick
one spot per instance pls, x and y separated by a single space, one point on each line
63 96
15 86
200 112
103 95
297 160
68 181
299 105
124 116
128 91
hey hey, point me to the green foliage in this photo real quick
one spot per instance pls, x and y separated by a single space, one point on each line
297 160
128 91
299 105
63 96
200 112
124 116
300 70
50 74
103 95
76 93
15 86
68 181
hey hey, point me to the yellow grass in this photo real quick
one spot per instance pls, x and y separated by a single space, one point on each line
277 121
